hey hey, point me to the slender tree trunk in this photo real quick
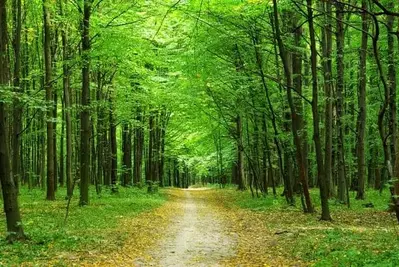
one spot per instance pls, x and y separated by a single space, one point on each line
240 155
342 185
391 80
259 61
138 148
294 117
151 129
85 113
287 168
316 128
50 101
55 160
17 111
298 101
114 147
62 165
164 118
68 105
268 153
127 154
10 196
100 130
361 120
327 73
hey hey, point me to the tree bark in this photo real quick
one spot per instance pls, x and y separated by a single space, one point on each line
240 155
68 104
391 80
50 101
151 129
17 111
114 147
342 183
327 73
127 154
138 147
361 120
85 113
10 196
325 215
294 117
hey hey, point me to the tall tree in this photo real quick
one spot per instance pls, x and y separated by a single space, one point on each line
295 121
50 101
328 90
10 196
325 209
67 99
342 183
138 147
85 113
361 120
17 111
127 154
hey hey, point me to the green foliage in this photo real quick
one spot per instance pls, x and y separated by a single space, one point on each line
86 228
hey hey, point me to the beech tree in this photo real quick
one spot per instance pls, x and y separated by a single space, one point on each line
289 98
10 195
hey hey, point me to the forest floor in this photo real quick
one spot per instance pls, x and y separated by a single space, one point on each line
196 227
204 227
216 227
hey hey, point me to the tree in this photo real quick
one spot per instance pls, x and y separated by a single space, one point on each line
49 98
325 215
295 126
85 102
361 121
10 195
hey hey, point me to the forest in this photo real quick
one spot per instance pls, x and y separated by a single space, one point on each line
199 133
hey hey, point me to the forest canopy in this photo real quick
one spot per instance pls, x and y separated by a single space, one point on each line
297 95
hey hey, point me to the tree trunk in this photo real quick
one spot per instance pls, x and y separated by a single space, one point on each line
114 147
85 113
138 148
240 155
127 154
150 159
62 169
17 111
10 197
342 183
295 122
68 105
391 80
361 120
327 73
325 215
164 118
55 160
50 102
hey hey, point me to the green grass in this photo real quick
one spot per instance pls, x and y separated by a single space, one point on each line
357 236
87 227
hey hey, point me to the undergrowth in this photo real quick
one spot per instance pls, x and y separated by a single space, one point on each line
357 236
87 227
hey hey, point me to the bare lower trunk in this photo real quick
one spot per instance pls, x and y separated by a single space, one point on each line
49 100
361 121
10 196
342 185
295 122
127 155
85 114
316 128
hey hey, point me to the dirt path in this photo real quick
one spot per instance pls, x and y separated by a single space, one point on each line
197 238
193 228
